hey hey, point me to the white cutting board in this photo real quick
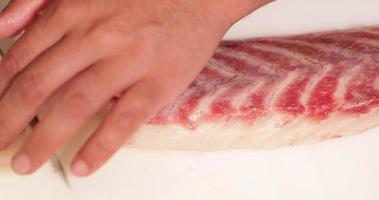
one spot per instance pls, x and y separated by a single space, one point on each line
345 169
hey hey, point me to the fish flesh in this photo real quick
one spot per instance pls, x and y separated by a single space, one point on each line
266 93
274 92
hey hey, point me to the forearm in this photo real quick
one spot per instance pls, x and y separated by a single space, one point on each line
237 9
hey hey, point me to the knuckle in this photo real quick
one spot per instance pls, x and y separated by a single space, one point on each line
10 66
102 35
79 98
138 46
29 86
144 40
112 36
130 117
78 102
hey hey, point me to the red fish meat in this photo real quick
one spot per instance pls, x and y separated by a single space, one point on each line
273 92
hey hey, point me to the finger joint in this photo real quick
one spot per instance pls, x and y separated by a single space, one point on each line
10 66
29 86
78 102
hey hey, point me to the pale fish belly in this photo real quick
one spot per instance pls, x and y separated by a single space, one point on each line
274 92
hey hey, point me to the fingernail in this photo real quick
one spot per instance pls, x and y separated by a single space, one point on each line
21 164
80 168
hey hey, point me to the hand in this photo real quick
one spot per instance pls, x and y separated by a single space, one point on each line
88 51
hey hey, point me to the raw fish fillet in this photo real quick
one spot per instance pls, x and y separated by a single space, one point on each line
274 92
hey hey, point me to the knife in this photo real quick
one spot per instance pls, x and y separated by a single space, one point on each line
54 160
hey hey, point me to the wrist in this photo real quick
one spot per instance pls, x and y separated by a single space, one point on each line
237 9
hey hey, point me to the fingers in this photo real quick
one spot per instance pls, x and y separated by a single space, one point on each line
31 44
18 14
82 98
130 112
38 82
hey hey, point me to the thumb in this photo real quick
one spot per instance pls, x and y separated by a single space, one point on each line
18 14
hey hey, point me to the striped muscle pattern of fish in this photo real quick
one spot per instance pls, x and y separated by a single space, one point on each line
273 92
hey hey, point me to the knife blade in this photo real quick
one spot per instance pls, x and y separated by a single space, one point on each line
54 160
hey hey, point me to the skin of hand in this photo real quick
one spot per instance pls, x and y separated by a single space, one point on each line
89 51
